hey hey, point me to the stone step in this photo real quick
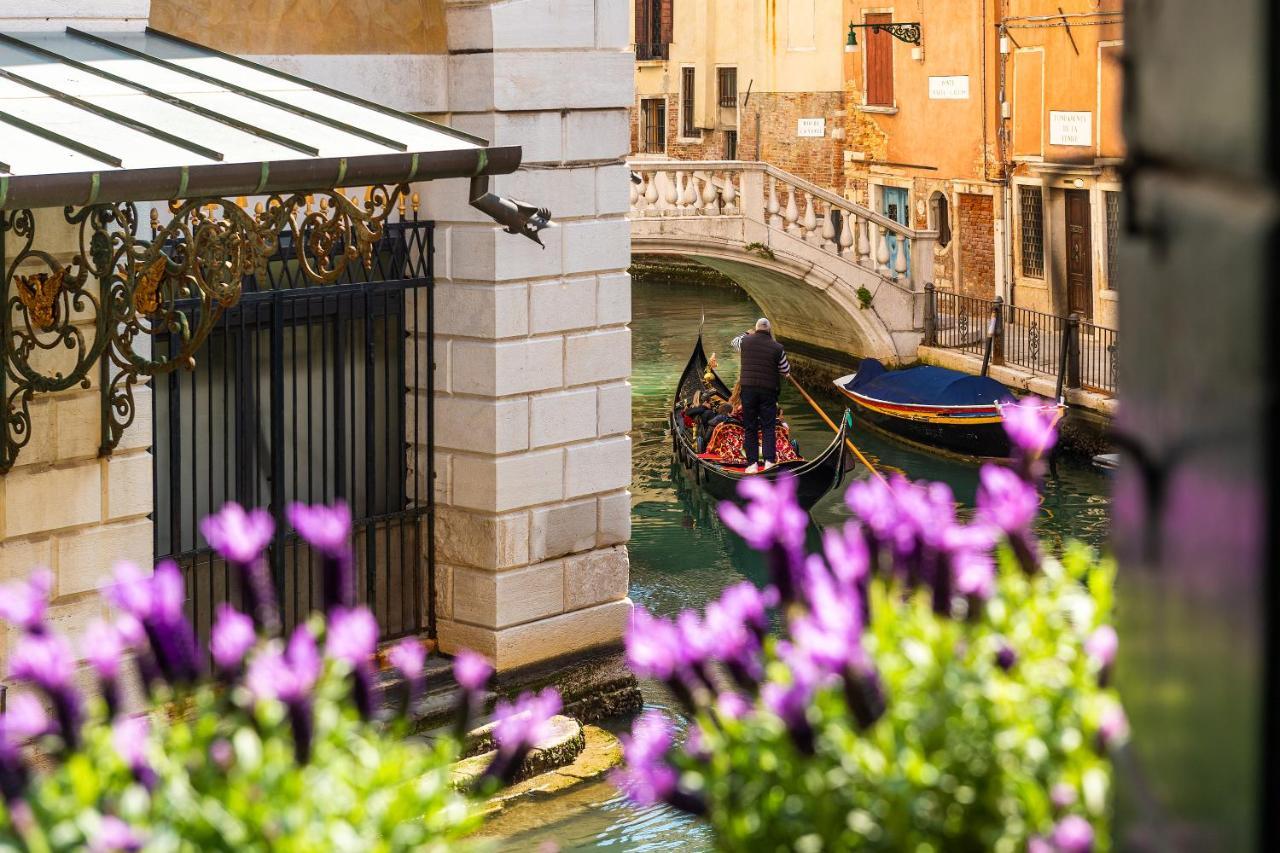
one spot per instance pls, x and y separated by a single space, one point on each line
559 749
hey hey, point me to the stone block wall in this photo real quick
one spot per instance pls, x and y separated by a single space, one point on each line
533 350
62 506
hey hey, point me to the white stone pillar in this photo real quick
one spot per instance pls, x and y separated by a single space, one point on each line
533 352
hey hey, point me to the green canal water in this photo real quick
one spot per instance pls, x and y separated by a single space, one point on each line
682 557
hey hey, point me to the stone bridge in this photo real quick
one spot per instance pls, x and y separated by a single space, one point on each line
830 274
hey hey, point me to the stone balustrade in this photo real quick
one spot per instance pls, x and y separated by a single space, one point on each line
787 204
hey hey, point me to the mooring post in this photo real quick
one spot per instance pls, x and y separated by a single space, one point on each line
1073 350
991 351
930 315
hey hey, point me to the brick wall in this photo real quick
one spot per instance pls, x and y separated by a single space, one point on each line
61 506
974 228
819 160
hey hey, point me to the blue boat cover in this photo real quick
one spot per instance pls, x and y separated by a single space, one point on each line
928 385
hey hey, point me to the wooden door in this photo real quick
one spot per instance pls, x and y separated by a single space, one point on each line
1079 254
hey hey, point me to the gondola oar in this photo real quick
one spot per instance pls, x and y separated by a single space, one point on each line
847 441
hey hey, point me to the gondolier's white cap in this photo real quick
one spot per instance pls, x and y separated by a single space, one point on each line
763 324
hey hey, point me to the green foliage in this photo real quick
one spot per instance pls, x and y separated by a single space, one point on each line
966 755
226 779
864 297
760 250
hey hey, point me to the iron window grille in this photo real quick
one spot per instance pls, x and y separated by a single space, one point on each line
731 145
1032 207
653 116
1113 238
727 79
687 128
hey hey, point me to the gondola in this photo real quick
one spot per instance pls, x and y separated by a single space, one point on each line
933 406
814 477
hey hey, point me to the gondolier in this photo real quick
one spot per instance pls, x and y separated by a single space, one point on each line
764 363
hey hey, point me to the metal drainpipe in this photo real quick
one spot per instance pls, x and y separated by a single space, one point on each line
1006 160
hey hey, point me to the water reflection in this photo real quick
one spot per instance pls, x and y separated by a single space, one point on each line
682 557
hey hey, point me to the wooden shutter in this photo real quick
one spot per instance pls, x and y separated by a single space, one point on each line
879 63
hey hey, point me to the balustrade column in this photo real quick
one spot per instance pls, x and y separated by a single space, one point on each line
864 243
792 214
810 222
829 231
772 208
729 195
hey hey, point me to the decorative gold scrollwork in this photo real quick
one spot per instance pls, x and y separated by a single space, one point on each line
174 285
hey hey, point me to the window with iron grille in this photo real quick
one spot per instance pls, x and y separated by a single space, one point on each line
728 86
731 145
1113 238
1032 206
653 29
653 125
686 103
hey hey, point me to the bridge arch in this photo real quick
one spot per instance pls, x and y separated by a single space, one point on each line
805 271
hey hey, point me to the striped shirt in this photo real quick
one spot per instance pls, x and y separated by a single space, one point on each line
784 367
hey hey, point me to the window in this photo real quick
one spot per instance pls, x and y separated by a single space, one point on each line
1113 238
686 103
653 125
1032 206
653 29
941 211
731 145
879 63
728 86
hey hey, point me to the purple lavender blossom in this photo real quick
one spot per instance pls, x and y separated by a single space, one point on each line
47 662
352 636
647 778
471 670
115 836
735 644
967 554
289 677
239 536
23 603
519 727
750 605
772 522
732 706
1006 657
157 603
1036 844
1101 647
864 694
1062 796
130 737
1009 503
1073 834
846 552
222 753
653 646
104 649
327 529
410 658
790 703
1113 727
1031 425
131 592
24 719
231 639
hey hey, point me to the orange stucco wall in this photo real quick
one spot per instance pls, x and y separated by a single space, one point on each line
317 26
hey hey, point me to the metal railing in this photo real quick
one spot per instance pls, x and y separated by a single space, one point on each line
308 393
1081 354
653 50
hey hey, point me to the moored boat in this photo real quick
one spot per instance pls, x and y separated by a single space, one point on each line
814 477
933 406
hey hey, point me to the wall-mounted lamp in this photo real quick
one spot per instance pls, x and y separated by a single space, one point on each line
908 32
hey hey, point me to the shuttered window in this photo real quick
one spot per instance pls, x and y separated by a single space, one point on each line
653 28
686 103
879 63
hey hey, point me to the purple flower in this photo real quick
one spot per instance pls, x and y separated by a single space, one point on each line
238 536
790 703
115 836
653 646
1031 425
847 554
23 603
327 529
750 605
519 727
734 643
410 658
732 706
352 636
130 736
1006 657
873 503
1062 796
471 670
772 522
231 639
157 604
1009 503
1073 834
290 677
24 719
968 553
1036 844
44 660
222 753
1102 645
104 649
1113 727
648 778
131 592
697 643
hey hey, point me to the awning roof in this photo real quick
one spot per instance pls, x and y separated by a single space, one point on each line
134 116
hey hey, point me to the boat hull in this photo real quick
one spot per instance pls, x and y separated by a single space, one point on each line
814 477
963 430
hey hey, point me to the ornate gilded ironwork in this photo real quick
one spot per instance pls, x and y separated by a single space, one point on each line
120 290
